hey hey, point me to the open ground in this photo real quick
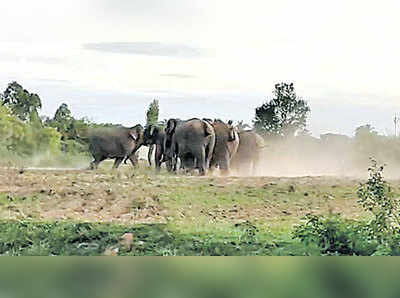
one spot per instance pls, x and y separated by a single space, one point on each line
226 209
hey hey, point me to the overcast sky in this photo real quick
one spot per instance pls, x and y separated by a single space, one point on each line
107 59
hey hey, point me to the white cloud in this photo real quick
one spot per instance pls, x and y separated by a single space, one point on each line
337 53
147 48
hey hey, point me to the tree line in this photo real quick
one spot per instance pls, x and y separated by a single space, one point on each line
282 116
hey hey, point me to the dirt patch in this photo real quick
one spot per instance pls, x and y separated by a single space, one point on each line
146 197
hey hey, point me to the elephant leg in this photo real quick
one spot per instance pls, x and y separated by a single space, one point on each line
209 151
169 165
175 156
157 157
178 164
257 164
95 163
224 165
202 161
117 162
150 154
133 160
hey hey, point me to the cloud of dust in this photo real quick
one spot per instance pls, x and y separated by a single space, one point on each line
330 155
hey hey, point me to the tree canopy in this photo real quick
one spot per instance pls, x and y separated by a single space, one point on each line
152 113
365 131
63 119
284 115
22 103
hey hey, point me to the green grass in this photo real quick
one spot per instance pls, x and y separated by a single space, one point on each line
60 212
26 238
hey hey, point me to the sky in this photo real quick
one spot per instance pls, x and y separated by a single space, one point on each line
107 59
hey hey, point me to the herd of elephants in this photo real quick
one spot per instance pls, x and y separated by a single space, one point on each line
201 144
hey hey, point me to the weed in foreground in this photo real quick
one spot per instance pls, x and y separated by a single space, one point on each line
377 236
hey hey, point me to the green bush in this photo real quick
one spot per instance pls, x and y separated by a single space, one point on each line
335 235
377 236
25 140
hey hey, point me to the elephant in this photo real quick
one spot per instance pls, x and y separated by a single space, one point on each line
169 157
226 144
248 156
117 143
191 141
155 136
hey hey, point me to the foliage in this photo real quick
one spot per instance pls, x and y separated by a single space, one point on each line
378 236
365 131
73 130
375 197
63 119
152 113
334 235
24 139
25 237
23 104
284 115
28 238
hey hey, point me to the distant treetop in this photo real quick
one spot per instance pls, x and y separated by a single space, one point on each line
284 115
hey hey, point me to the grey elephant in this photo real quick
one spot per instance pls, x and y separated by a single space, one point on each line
155 137
169 157
116 143
191 141
226 144
249 154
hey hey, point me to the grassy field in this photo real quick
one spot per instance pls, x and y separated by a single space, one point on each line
126 212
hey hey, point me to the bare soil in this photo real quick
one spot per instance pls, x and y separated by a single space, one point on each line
142 196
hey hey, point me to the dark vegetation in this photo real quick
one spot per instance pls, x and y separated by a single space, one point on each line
284 115
90 239
25 137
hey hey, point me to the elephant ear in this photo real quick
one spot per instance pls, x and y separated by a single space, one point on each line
135 132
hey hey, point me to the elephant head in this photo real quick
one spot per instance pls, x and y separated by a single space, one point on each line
137 134
150 134
171 126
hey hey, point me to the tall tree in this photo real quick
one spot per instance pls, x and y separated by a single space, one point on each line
284 115
22 103
152 113
63 119
365 131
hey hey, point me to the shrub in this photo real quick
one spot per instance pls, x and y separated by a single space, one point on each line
335 235
378 236
375 196
24 139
